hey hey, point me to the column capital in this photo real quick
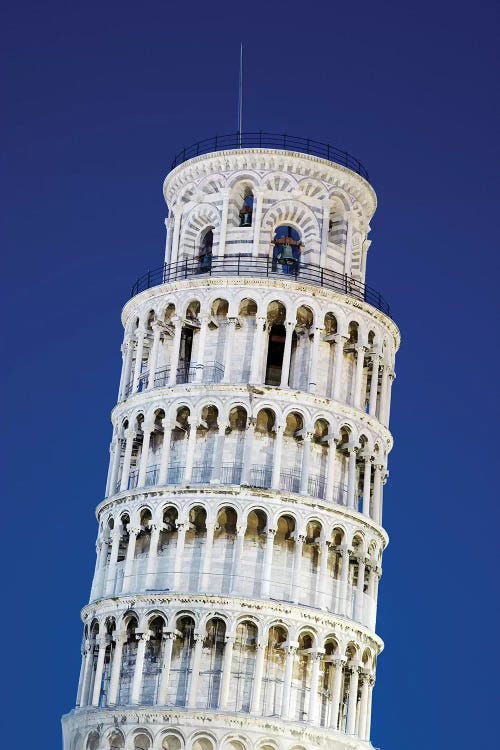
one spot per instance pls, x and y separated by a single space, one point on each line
169 222
133 530
271 532
130 433
299 538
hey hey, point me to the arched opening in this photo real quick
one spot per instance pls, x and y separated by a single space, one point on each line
283 560
205 249
301 681
243 667
293 447
171 742
211 663
108 661
190 324
246 210
320 449
180 669
194 546
274 669
93 741
263 448
141 741
286 249
222 556
178 445
153 662
206 434
246 325
276 315
327 685
254 552
167 546
300 354
234 446
129 654
116 741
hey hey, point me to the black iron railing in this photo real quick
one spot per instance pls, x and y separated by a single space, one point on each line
248 266
281 141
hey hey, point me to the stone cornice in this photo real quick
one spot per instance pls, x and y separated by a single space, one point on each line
194 720
264 160
237 606
210 493
318 292
282 396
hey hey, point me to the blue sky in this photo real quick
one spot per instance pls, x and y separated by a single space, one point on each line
97 98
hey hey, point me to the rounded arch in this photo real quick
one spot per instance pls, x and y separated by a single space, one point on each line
295 214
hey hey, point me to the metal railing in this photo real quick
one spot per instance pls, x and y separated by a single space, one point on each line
212 372
281 141
246 265
260 476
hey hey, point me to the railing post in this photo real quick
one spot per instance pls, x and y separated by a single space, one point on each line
239 256
267 266
260 138
284 140
345 283
149 278
322 277
186 269
215 148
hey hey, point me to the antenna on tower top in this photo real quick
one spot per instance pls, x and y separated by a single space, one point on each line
240 97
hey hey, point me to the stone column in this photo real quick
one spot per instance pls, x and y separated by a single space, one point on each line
193 424
219 452
195 672
358 376
352 701
236 572
165 452
337 686
226 672
177 211
248 451
179 553
165 669
321 574
348 245
330 472
297 564
258 345
367 485
277 454
129 435
96 693
143 638
344 575
116 455
109 588
371 683
228 348
313 694
153 555
325 227
291 649
129 559
127 351
377 492
382 405
363 706
268 563
116 664
223 223
372 403
306 456
313 369
207 556
200 352
141 333
147 429
176 345
153 360
258 197
351 477
392 378
287 353
169 226
338 366
257 679
360 589
83 682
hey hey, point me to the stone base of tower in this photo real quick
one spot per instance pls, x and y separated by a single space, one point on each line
135 728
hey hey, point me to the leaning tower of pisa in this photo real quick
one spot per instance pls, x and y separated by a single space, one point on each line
240 539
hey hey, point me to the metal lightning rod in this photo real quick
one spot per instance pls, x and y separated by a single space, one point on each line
240 98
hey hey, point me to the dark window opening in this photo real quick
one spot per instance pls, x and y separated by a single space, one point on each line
205 256
275 352
186 348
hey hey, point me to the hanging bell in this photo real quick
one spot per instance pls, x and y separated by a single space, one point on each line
285 258
246 219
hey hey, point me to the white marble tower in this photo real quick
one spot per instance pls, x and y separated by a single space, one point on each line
240 539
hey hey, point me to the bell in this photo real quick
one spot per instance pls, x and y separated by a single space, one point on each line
246 219
285 258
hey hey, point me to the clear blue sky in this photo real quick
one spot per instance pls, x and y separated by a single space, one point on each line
96 99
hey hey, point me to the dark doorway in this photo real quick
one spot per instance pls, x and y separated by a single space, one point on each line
275 351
